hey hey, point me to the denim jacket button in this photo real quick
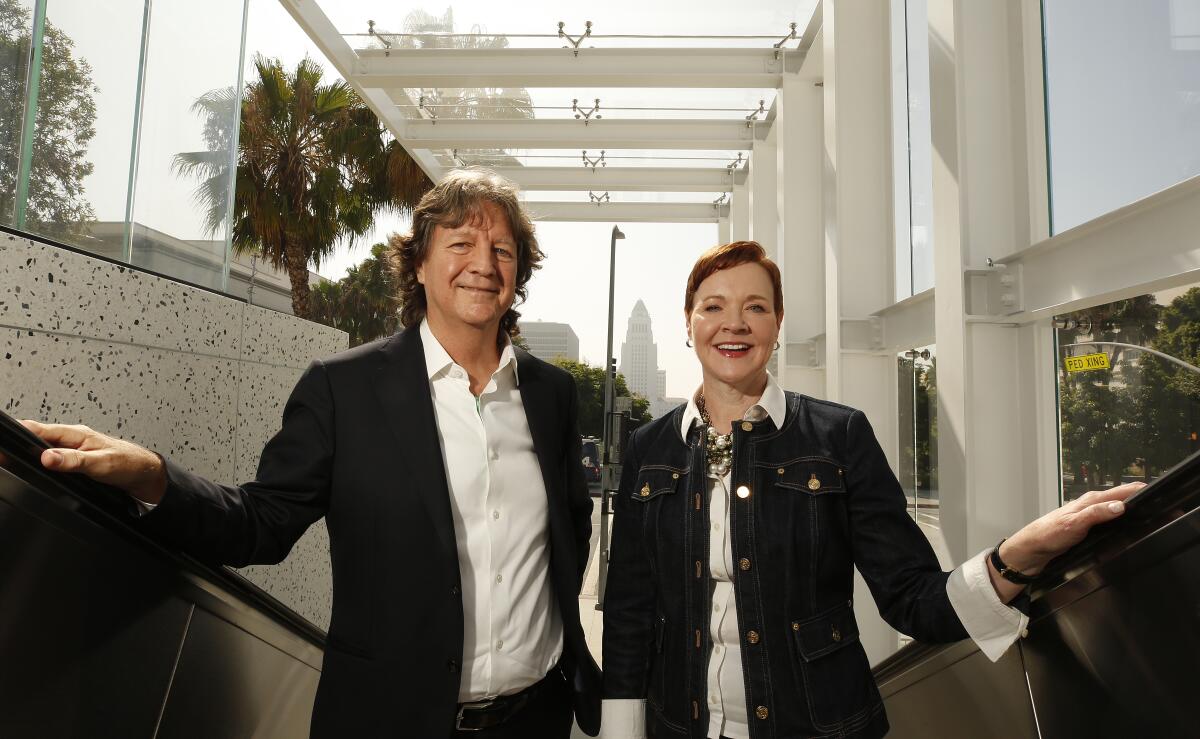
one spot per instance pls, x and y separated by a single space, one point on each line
761 712
744 563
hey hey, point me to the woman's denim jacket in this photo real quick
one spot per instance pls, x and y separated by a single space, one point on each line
822 501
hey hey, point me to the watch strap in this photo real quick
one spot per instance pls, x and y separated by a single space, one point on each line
1008 573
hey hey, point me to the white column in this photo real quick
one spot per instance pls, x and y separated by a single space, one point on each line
723 230
763 187
995 412
739 211
800 241
858 235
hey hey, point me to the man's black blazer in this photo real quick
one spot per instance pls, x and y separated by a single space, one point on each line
359 446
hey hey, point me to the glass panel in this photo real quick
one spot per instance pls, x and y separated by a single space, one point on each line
912 148
16 26
615 24
917 410
621 196
189 119
565 103
1140 414
596 157
1122 102
87 92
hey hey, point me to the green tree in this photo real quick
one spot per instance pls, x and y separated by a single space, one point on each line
364 303
589 384
56 204
314 168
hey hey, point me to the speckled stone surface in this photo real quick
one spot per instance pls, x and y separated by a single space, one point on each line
194 375
277 338
52 289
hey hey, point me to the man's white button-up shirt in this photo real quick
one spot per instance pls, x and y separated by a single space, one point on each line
513 631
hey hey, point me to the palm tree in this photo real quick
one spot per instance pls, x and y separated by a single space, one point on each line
314 167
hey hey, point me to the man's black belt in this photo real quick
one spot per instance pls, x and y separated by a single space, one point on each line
494 711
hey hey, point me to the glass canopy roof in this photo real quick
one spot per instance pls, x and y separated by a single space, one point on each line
650 103
614 23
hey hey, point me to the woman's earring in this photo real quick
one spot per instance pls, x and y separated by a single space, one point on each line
689 342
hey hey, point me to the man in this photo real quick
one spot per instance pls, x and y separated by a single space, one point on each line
446 464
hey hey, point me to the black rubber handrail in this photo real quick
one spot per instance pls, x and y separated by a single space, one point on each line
114 510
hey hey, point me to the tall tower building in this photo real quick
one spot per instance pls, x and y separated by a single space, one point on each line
639 355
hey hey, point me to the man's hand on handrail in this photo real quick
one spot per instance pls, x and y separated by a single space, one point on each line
122 464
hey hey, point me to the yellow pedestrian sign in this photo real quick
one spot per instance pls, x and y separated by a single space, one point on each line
1087 362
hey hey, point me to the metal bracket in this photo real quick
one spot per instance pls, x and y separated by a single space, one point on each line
779 44
586 115
594 162
993 290
598 199
736 163
753 117
721 200
575 42
387 45
428 110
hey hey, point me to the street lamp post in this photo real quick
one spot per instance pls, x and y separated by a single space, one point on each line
607 484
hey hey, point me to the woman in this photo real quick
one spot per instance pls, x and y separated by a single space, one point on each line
739 520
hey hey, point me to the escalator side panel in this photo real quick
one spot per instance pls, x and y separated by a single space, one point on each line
1121 661
231 683
85 635
953 694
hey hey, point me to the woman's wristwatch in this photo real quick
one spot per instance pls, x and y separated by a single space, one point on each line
1008 573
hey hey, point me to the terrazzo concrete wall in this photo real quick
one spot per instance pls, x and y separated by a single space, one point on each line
193 375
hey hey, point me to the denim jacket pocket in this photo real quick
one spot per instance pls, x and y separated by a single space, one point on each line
826 632
836 675
656 480
814 476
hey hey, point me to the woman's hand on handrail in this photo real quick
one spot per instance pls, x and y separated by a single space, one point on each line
1029 550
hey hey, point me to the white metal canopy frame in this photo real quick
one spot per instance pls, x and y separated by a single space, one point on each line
636 114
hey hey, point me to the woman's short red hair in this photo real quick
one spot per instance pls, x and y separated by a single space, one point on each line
732 255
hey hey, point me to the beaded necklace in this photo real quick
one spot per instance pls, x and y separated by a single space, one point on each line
718 448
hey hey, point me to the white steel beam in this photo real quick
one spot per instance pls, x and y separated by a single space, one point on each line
626 212
1145 246
572 134
485 68
644 179
313 21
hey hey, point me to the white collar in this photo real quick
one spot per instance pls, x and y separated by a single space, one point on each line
438 360
772 405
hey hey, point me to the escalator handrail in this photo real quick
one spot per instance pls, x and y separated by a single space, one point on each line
114 510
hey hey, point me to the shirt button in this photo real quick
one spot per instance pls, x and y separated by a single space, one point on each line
716 526
712 699
492 454
496 515
716 606
499 644
499 578
718 648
